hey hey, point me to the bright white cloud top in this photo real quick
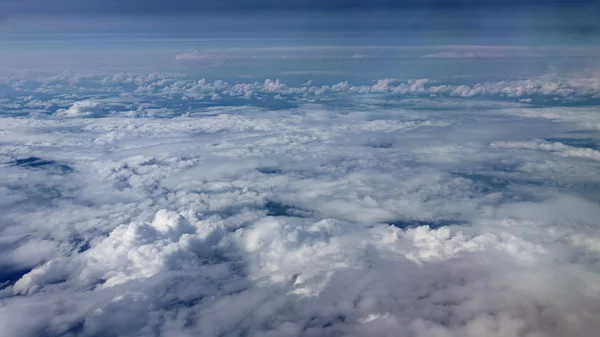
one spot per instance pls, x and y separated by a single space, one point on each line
167 205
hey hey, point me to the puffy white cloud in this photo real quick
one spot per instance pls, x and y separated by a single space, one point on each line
128 92
86 108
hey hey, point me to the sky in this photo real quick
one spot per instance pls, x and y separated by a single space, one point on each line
226 35
529 22
296 168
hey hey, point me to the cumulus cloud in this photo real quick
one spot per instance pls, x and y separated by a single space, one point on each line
129 92
86 108
374 210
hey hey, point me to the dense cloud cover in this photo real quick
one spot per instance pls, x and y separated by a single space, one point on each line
164 205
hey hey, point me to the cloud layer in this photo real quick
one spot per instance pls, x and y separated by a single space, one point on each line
174 206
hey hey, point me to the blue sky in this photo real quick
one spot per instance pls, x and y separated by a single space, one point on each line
498 38
266 22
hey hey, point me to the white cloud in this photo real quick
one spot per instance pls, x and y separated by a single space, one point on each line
467 54
357 53
199 56
81 109
127 89
555 147
411 217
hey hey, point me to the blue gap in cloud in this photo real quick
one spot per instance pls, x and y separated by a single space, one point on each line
10 275
269 170
275 208
39 163
322 322
80 244
488 183
267 102
584 143
382 145
433 224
